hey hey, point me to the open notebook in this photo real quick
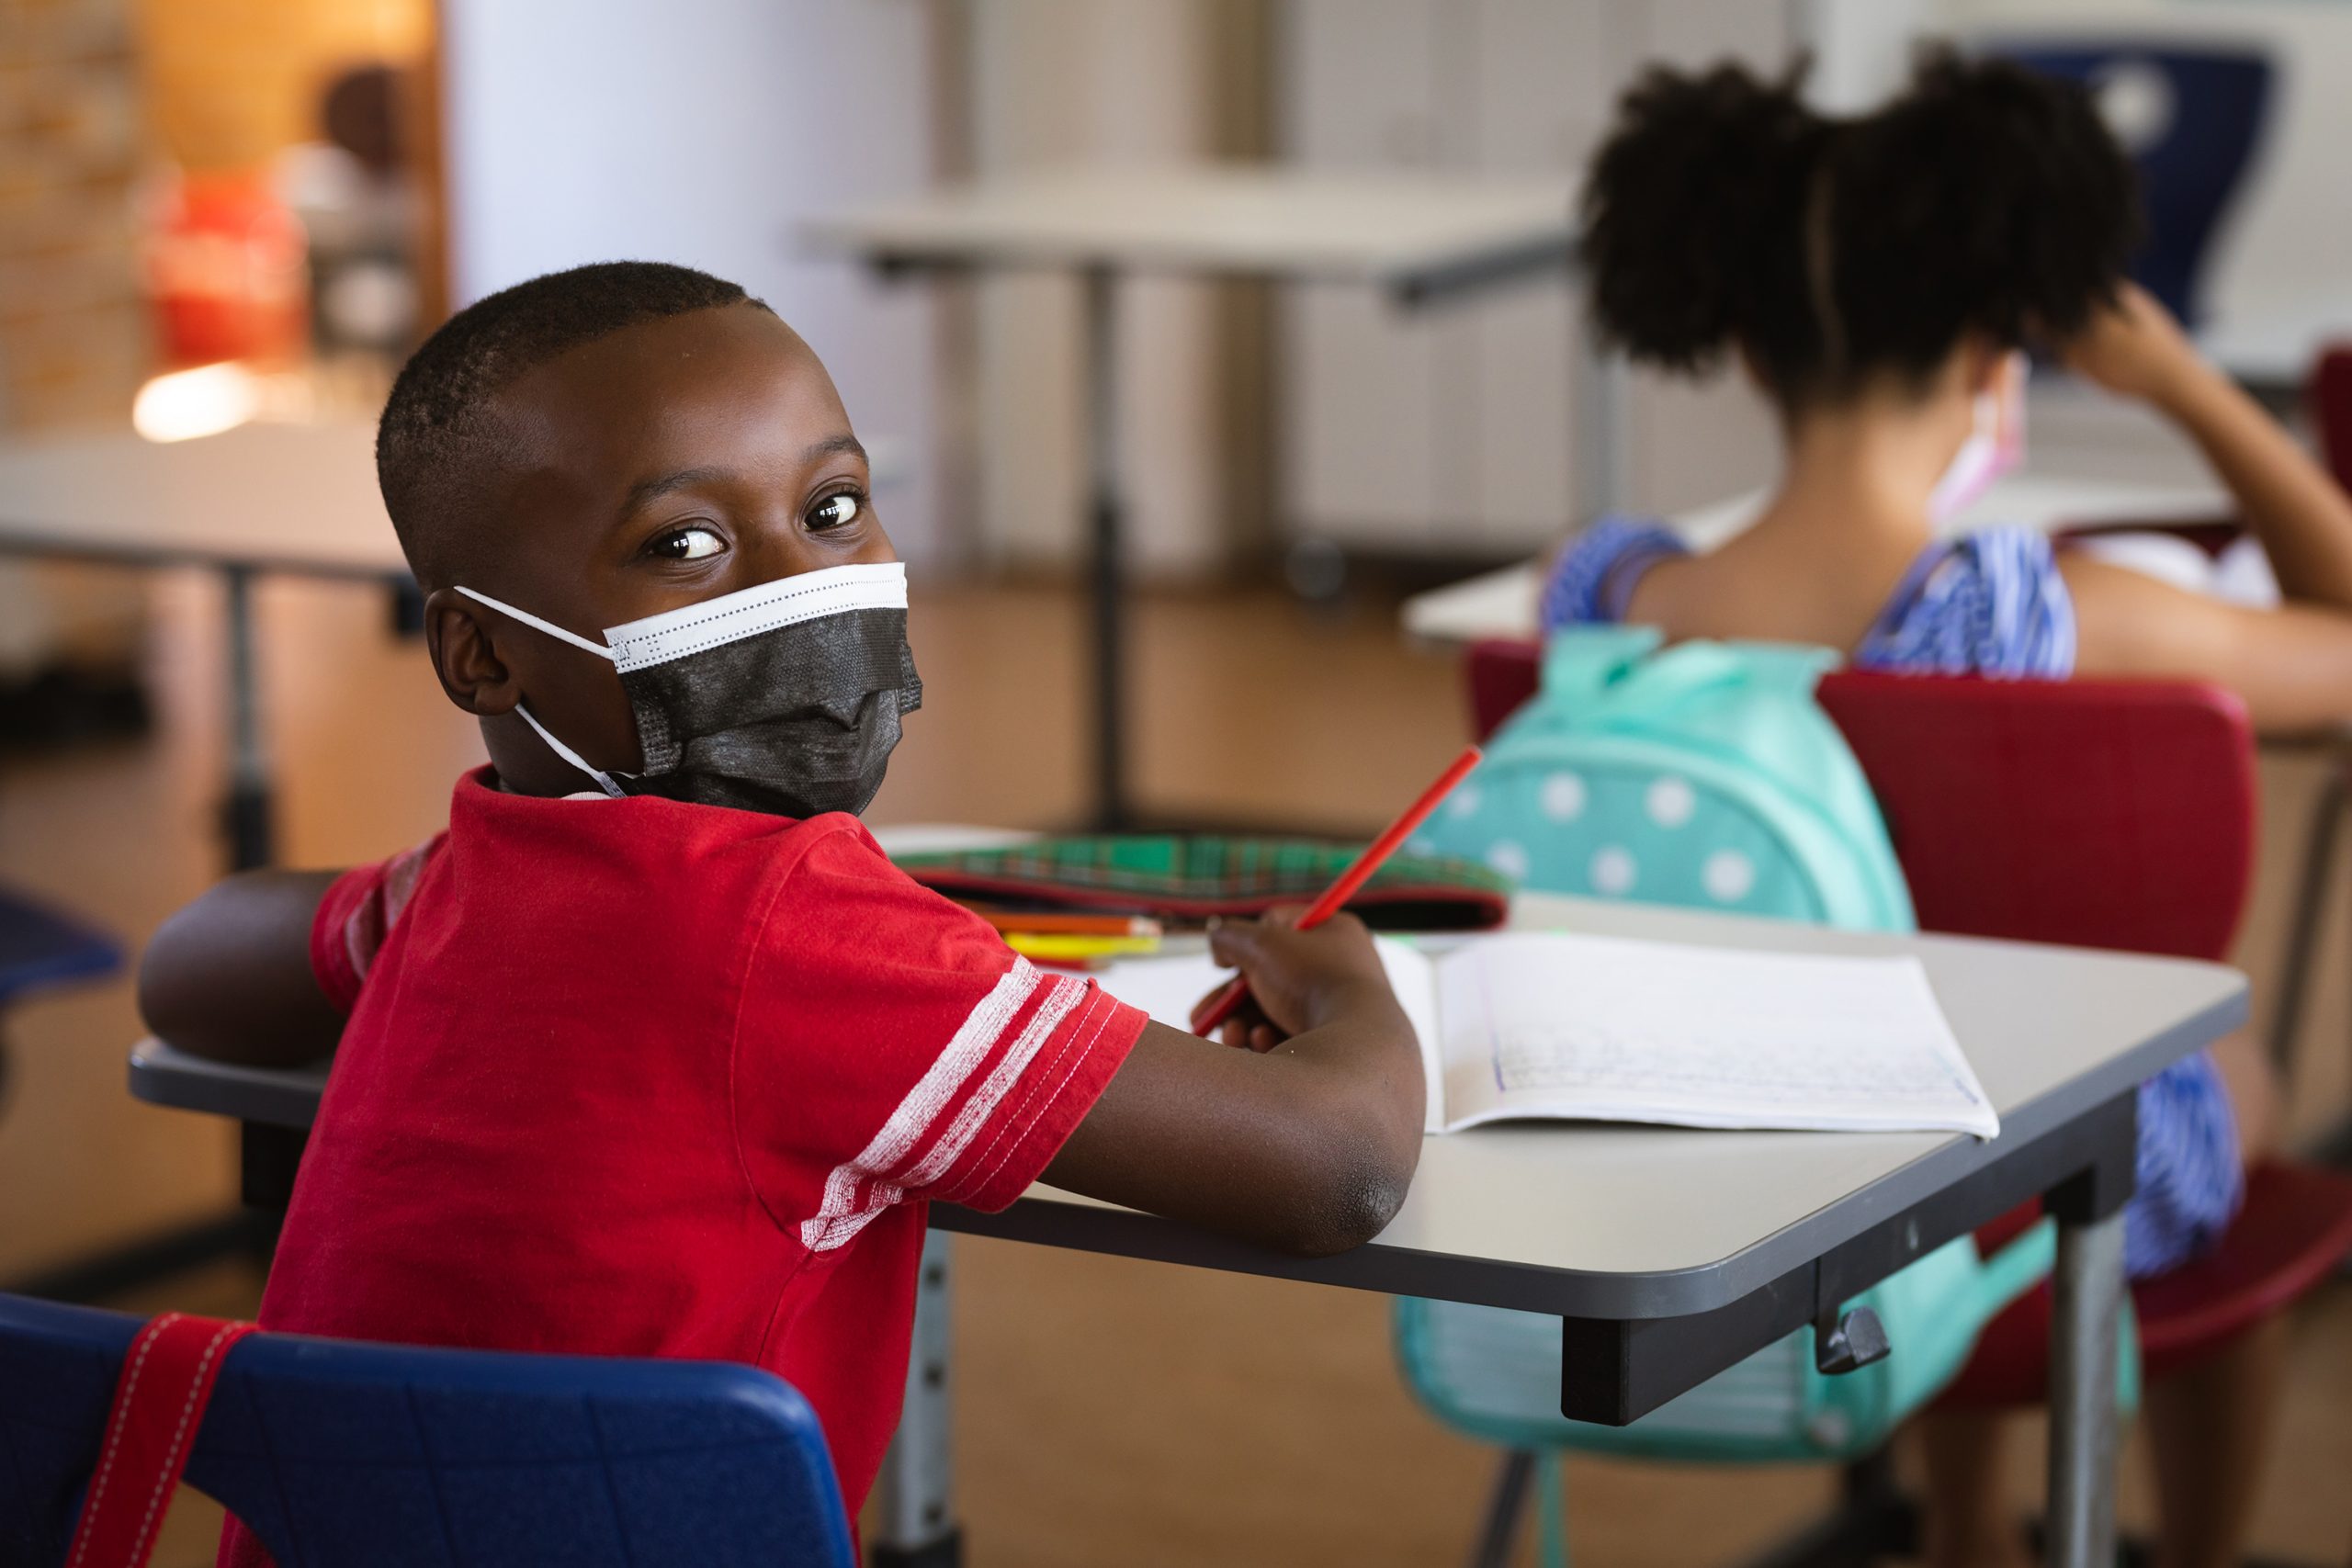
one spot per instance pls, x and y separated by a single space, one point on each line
1614 1029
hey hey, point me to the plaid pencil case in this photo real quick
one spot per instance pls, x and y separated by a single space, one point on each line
1188 877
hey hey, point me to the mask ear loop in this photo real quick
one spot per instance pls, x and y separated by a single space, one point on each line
528 619
604 780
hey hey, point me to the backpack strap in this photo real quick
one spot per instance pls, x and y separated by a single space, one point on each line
1581 662
1793 669
1625 668
167 1380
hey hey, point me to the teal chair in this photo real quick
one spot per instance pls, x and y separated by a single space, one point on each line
1494 1374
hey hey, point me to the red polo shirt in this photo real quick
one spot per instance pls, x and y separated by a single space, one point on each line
634 1077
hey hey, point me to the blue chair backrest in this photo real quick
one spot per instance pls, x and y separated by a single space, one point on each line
2213 103
40 947
341 1455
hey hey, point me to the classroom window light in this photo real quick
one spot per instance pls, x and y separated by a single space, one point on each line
184 404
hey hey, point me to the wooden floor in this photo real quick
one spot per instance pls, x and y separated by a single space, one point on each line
1108 1411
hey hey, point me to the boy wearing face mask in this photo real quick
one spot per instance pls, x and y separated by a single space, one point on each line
652 1053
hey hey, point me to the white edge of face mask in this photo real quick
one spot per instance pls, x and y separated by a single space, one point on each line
748 611
1984 457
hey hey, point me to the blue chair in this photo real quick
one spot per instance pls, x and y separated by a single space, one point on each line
342 1455
41 948
2206 110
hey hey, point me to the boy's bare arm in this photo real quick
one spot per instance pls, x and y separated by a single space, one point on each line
230 976
1306 1147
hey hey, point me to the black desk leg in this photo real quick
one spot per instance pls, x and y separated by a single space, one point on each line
246 811
268 1159
1112 810
405 608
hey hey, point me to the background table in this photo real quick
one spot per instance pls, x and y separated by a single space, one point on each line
295 499
1503 604
1422 239
2271 351
1670 1254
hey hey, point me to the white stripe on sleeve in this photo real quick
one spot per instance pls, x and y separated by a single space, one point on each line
899 1136
1063 995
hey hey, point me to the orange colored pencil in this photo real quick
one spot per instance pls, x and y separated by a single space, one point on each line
1044 924
1211 1014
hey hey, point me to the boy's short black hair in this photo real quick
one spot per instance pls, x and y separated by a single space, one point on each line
436 443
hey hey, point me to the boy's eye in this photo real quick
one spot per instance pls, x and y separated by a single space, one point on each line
835 512
686 544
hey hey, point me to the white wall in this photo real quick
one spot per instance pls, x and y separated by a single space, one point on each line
1060 82
1457 431
701 131
2291 233
2286 247
1861 49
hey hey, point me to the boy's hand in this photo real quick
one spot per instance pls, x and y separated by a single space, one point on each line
1298 980
1309 1148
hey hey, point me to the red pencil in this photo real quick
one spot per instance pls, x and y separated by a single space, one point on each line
1211 1014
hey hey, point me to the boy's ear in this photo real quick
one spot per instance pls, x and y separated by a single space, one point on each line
456 634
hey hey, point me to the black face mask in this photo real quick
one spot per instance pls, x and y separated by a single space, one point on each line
785 697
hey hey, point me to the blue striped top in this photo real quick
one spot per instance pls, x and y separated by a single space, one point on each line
1991 603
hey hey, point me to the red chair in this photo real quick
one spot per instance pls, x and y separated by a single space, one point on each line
2094 814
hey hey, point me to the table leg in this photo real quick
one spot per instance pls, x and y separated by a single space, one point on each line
2310 897
917 1528
1112 811
2086 1309
245 815
404 604
1505 1508
245 812
1603 392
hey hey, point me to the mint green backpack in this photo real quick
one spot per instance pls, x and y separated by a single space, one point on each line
1703 776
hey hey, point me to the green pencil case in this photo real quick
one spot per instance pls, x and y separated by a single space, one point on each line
1189 877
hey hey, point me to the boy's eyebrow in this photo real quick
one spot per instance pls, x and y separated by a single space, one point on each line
830 444
654 489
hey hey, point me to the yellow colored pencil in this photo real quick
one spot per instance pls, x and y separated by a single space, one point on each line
1062 949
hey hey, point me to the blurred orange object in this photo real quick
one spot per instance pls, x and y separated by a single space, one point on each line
225 272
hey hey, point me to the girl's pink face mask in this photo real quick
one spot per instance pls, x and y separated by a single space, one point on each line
1996 444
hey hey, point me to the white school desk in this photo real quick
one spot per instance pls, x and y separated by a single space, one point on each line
1420 238
1503 604
1669 1254
294 499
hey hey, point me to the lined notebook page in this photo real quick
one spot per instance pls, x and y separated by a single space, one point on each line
1618 1030
1608 1029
